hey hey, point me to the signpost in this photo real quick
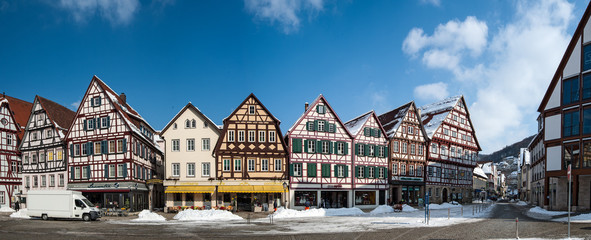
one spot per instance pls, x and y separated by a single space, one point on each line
427 209
568 176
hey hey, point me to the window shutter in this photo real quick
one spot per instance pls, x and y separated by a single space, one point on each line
366 172
125 170
108 121
88 172
97 123
375 172
84 125
72 173
356 149
106 170
332 127
325 170
376 153
125 145
291 169
306 145
326 126
296 145
365 150
91 148
346 148
318 146
318 108
104 147
311 170
315 125
386 153
366 132
379 132
310 126
356 171
100 102
330 147
346 171
92 102
336 170
71 150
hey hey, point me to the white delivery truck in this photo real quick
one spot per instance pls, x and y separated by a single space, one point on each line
60 204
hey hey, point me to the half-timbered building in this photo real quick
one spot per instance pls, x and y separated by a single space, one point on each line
112 151
453 150
408 157
565 116
370 161
14 114
44 149
190 165
251 158
320 158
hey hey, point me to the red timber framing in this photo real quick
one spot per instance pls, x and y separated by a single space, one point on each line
370 160
564 117
408 149
111 148
44 150
14 114
320 150
453 149
251 160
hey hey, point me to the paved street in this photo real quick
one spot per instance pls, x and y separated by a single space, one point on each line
501 225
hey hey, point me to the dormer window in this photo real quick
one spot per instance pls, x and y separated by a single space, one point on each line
251 109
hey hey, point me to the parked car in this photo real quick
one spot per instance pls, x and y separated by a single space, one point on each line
60 204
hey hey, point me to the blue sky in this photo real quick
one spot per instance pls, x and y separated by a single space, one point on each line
361 55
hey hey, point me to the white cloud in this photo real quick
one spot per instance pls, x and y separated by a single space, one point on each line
511 77
432 2
74 105
431 92
284 12
117 12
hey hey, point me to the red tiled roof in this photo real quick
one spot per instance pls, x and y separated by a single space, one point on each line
58 113
21 111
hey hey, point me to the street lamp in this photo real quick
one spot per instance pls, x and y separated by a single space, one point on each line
285 193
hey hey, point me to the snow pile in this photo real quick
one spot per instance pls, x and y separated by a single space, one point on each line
582 218
434 206
382 209
521 203
407 208
320 212
542 211
205 215
147 216
6 209
22 213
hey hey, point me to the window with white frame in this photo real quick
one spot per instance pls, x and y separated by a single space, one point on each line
434 147
395 146
89 124
34 158
341 171
187 123
26 159
251 165
174 126
251 109
48 134
96 101
176 169
237 165
193 123
404 147
321 126
62 180
85 172
97 147
230 135
205 124
191 169
321 109
2 200
120 170
452 152
297 169
361 149
421 148
104 122
120 145
43 181
381 151
240 135
27 182
35 181
402 169
191 144
311 146
33 136
176 145
262 135
411 170
227 165
412 149
76 172
205 169
251 136
325 147
278 164
272 136
360 171
112 146
14 167
372 172
411 130
419 171
382 173
205 144
443 150
394 168
264 165
52 180
340 148
372 150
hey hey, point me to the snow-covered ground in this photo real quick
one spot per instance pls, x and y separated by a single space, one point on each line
6 209
22 213
434 206
543 214
320 212
521 203
205 215
147 216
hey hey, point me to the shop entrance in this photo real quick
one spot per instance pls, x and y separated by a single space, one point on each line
244 201
444 195
335 199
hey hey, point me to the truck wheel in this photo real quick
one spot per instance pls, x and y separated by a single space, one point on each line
44 217
86 217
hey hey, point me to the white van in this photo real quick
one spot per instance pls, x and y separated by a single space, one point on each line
60 204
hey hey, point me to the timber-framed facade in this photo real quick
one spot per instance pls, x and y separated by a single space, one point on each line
251 159
408 147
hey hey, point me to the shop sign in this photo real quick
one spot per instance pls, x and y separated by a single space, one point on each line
335 186
410 179
105 185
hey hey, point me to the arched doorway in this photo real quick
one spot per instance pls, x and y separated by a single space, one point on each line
444 195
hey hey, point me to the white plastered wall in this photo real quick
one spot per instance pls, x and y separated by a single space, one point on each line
553 158
553 127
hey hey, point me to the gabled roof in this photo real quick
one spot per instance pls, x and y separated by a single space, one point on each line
391 120
190 106
354 125
433 115
569 50
479 172
21 110
60 115
257 100
316 101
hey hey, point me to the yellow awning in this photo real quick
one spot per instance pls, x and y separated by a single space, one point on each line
189 189
251 189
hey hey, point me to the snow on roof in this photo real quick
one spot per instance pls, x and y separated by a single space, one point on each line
479 172
392 119
486 168
432 115
354 125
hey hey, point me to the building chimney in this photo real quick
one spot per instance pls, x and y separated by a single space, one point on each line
123 98
419 111
306 107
